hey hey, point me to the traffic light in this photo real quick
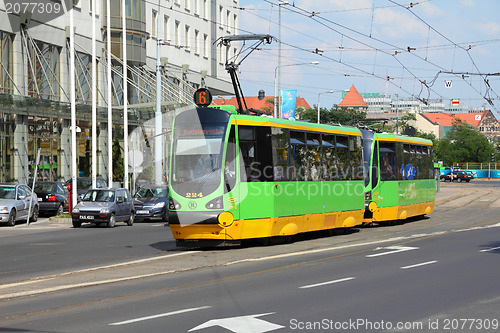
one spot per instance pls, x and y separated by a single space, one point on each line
492 158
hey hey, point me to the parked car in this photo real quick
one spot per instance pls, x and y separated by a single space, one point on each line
462 176
446 177
458 176
84 184
52 197
104 205
151 202
15 203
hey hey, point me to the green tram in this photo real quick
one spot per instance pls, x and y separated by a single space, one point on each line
399 177
237 177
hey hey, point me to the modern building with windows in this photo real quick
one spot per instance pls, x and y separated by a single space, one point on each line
35 76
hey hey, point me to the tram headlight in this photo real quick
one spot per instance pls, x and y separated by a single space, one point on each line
173 204
214 204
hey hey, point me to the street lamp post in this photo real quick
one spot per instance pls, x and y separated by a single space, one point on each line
281 3
397 114
324 92
276 90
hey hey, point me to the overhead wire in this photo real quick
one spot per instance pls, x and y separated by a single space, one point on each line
316 16
308 14
489 100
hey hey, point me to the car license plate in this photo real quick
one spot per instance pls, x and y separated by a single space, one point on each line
142 212
87 217
39 199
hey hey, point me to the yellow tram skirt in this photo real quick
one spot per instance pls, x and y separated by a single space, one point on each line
268 227
402 212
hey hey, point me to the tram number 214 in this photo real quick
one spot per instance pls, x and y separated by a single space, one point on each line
194 195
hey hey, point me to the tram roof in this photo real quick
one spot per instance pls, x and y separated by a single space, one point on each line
401 138
295 125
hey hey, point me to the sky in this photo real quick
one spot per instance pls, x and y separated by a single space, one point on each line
379 46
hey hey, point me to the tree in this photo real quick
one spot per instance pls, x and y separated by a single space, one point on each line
269 106
344 116
118 167
464 143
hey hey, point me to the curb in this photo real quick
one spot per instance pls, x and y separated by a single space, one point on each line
60 219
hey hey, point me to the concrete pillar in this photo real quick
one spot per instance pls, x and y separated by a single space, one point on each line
102 150
20 151
64 152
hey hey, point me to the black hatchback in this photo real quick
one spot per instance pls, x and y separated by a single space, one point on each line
52 197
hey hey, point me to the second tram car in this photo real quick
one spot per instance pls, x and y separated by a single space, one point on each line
399 177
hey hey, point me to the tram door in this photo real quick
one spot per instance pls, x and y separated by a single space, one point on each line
231 190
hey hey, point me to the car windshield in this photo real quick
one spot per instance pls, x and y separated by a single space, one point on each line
43 187
144 192
7 192
84 183
99 196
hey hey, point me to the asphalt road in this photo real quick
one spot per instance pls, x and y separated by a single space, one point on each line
436 274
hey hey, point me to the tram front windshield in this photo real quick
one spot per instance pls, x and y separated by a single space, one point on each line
197 158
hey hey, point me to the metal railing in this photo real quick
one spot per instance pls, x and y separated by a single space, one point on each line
477 166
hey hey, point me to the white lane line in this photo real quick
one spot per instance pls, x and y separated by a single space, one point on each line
492 249
394 249
126 322
87 270
421 264
327 283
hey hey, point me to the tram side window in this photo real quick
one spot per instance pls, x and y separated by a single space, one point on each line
313 156
419 162
400 161
256 151
424 169
280 153
329 158
230 164
344 165
356 157
406 159
430 163
298 156
387 151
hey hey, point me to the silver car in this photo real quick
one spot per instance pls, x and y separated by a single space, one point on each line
15 203
104 205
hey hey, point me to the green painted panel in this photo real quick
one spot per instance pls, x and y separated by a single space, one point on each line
404 192
277 199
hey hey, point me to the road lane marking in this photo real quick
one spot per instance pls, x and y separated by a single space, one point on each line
242 324
492 249
131 321
421 264
87 270
394 249
327 283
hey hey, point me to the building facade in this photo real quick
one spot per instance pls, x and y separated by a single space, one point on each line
35 76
